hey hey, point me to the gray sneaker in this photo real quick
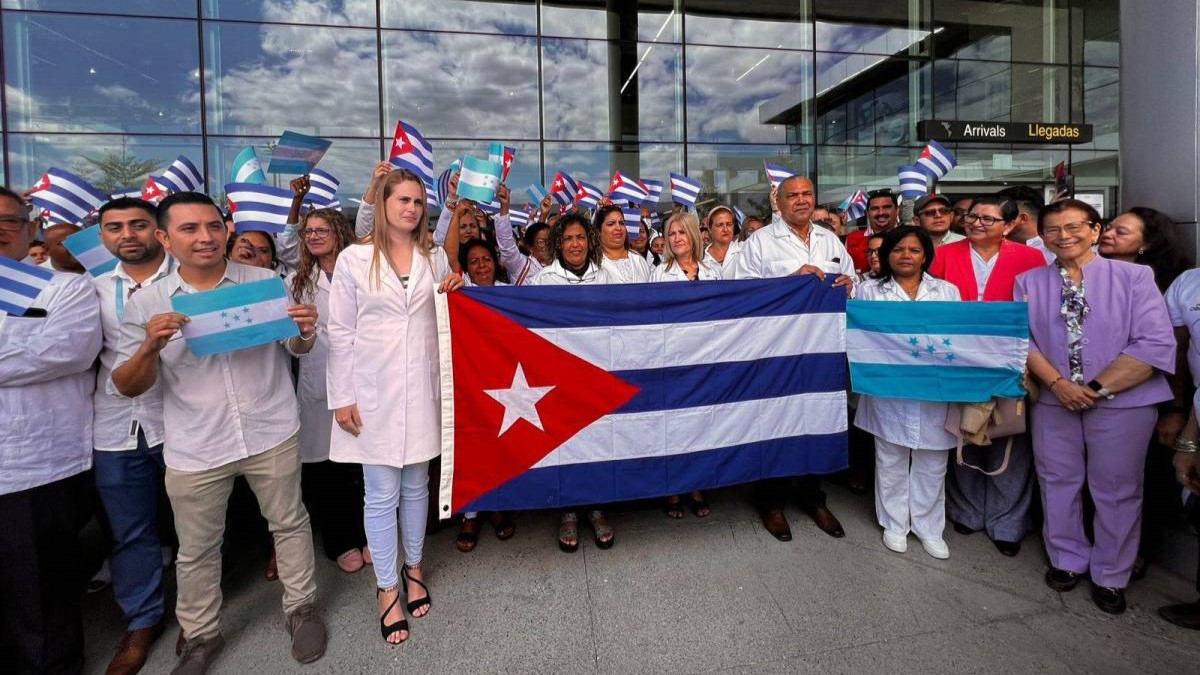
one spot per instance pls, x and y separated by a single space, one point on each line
308 634
198 654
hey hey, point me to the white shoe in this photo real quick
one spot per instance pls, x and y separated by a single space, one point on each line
936 548
895 542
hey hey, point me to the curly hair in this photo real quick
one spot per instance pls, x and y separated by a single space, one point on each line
556 235
304 283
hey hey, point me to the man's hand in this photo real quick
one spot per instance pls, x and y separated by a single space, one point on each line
305 317
160 329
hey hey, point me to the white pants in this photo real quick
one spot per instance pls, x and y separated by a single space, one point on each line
910 489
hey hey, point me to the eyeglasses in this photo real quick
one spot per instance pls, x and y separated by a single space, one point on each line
1070 229
873 251
935 213
12 223
988 221
315 232
960 212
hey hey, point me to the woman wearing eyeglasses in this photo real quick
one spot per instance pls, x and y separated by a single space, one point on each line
984 268
1100 341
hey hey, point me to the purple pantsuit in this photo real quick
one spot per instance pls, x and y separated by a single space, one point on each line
1107 444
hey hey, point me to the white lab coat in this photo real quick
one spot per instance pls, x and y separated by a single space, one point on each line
556 275
708 271
731 255
632 269
776 251
383 356
316 419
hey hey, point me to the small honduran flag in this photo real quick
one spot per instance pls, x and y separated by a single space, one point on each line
152 191
563 189
628 188
502 155
182 176
633 220
133 192
68 198
914 181
235 317
322 190
246 168
87 248
855 205
776 174
937 159
538 192
654 189
479 179
588 196
684 190
20 285
411 151
258 207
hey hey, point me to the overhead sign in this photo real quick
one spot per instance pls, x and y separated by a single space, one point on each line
959 131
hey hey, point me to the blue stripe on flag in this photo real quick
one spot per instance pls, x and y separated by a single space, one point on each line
241 338
18 288
15 266
237 295
951 384
1001 319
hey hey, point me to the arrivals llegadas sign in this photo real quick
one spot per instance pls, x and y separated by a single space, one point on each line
959 131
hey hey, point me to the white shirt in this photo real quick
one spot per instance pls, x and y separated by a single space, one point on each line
557 275
632 269
521 268
46 383
776 251
731 254
117 417
1183 306
216 409
1040 245
983 269
707 271
911 424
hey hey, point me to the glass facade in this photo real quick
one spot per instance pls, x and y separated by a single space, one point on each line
831 88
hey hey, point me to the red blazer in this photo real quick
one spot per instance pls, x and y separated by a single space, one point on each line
952 262
856 246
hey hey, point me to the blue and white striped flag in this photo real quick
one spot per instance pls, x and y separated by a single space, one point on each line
20 285
958 352
297 153
654 189
518 219
914 182
479 179
633 220
623 186
737 213
322 190
492 208
443 183
134 192
776 174
235 317
588 196
684 190
68 198
564 189
87 248
258 207
246 168
855 205
411 151
502 155
937 159
538 192
182 176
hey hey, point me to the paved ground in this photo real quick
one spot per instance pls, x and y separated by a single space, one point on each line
707 595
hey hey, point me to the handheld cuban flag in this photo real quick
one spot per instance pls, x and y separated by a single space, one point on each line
518 219
588 196
684 190
563 189
538 192
182 176
479 179
542 411
68 198
297 153
235 317
855 205
258 207
246 168
85 245
152 191
633 220
20 285
623 186
491 208
322 190
776 174
654 189
443 183
914 182
737 213
502 155
411 151
937 159
133 192
959 352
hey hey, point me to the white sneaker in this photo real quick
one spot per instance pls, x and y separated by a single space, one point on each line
936 548
895 542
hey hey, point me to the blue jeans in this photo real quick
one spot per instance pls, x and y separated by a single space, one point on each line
389 488
129 483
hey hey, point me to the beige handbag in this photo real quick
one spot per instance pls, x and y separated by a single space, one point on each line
982 423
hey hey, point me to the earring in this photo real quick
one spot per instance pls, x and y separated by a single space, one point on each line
1141 250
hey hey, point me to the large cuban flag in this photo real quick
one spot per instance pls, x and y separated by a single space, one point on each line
555 396
957 352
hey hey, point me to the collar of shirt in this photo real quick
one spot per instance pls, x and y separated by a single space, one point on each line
166 267
234 273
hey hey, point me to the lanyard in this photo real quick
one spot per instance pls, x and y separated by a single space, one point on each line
121 290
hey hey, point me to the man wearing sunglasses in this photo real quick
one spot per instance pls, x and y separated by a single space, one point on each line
935 215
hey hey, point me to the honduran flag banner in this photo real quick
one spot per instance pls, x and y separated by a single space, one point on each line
545 405
258 207
957 352
478 179
246 168
235 317
538 192
85 245
20 285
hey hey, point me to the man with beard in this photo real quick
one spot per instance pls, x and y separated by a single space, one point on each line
882 215
127 436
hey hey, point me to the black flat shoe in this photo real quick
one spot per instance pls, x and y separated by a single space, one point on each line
1062 580
1110 600
413 606
1008 548
963 529
390 629
1185 615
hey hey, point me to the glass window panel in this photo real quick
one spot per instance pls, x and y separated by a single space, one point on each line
350 161
1101 109
67 73
109 161
461 85
1016 30
1098 172
609 91
526 167
740 95
1003 92
768 23
734 174
648 21
872 26
484 16
323 12
1003 164
263 79
870 100
1095 29
596 162
843 169
182 8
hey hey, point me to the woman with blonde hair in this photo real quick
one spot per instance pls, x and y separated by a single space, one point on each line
383 380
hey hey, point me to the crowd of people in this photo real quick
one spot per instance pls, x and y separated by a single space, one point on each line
335 430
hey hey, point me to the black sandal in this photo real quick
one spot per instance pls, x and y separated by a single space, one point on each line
568 526
426 601
468 536
674 509
700 508
605 536
505 527
388 630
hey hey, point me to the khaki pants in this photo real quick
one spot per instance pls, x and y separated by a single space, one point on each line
200 499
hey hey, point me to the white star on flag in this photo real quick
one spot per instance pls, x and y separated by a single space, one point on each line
519 401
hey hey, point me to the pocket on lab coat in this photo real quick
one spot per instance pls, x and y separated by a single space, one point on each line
366 393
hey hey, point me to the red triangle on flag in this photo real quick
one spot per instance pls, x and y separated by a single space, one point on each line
400 143
487 349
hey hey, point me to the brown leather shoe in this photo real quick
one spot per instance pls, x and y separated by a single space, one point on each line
133 650
828 523
777 524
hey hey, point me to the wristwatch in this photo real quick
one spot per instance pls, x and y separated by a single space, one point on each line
1100 389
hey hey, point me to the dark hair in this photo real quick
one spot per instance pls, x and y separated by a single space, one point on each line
270 242
464 252
892 238
556 235
1165 250
1008 208
597 221
885 192
1028 199
1055 208
5 192
122 203
532 232
37 242
183 198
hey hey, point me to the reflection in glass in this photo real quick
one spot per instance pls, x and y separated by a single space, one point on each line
596 162
1006 163
647 20
1101 94
748 95
184 8
511 17
1015 30
770 23
843 169
323 12
108 161
67 73
1095 30
1000 92
262 79
461 85
888 27
734 174
870 100
350 161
